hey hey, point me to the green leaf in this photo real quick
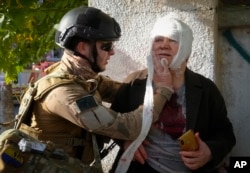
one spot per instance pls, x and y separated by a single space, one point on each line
6 37
1 19
27 31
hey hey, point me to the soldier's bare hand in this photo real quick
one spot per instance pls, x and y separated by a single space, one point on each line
162 76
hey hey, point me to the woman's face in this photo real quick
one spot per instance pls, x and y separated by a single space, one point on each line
163 47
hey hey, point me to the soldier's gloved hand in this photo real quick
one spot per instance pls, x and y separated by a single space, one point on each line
162 76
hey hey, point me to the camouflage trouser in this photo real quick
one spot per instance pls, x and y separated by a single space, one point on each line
40 164
12 160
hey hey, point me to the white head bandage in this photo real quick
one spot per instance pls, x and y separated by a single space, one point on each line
178 31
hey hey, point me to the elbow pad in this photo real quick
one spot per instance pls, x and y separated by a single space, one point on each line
92 114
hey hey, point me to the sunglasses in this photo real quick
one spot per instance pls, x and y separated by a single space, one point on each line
107 46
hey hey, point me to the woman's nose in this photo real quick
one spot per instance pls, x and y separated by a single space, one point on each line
165 43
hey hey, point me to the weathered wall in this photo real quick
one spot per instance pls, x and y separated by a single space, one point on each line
235 83
234 68
137 17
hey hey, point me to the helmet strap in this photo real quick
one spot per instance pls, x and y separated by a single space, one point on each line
95 67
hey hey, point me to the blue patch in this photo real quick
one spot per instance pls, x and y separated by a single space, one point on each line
86 102
12 157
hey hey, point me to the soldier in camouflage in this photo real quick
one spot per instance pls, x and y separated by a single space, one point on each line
69 112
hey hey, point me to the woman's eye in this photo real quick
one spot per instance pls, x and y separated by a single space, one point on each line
158 39
170 40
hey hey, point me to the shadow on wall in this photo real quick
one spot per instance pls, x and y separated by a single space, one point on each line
120 65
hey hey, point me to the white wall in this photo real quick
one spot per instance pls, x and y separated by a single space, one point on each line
137 17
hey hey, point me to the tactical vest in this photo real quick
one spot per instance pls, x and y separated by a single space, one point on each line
35 92
18 156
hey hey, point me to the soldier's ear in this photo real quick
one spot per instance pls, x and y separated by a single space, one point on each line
82 47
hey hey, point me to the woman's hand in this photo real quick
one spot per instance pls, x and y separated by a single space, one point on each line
140 154
196 159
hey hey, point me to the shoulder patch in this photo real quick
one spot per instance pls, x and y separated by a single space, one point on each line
86 102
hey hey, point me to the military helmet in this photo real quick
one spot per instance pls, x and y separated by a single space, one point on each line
87 23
